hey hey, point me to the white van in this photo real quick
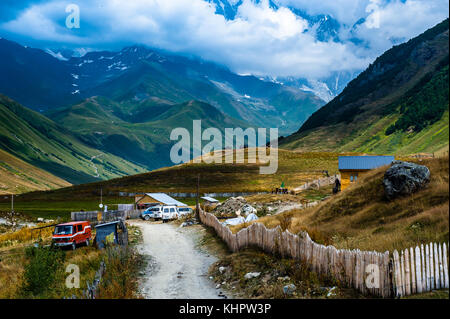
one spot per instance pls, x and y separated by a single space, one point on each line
184 211
169 213
152 212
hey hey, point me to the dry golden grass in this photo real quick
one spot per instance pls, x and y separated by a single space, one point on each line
120 281
270 198
361 217
11 272
17 176
25 235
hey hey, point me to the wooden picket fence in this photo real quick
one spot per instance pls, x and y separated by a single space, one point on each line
369 272
420 269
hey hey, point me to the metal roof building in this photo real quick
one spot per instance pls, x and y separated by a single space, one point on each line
209 199
363 162
351 167
157 198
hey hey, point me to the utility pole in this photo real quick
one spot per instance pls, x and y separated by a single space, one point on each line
197 206
12 203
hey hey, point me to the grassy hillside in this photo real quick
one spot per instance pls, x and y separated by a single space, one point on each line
16 176
294 169
106 125
40 142
361 217
398 105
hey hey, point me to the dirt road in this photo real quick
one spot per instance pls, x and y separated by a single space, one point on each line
176 268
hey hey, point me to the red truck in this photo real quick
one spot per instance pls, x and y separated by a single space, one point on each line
71 234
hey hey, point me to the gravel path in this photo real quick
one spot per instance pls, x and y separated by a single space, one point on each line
176 269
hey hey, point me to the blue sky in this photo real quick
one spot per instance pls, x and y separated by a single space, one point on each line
260 40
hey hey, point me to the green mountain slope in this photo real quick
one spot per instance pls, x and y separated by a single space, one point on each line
105 125
247 98
41 142
16 176
398 105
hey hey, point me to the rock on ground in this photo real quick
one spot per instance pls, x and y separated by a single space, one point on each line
404 178
251 275
289 289
230 206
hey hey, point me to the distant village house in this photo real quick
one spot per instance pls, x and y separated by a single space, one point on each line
351 167
143 201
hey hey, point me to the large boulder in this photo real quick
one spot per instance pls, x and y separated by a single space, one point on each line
404 178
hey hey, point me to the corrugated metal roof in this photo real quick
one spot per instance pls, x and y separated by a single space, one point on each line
165 199
209 199
106 224
364 162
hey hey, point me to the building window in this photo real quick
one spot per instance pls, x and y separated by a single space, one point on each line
351 178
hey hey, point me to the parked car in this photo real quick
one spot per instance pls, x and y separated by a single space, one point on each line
184 211
157 213
169 213
71 234
152 212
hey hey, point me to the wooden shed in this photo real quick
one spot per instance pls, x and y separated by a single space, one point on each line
209 202
351 167
151 199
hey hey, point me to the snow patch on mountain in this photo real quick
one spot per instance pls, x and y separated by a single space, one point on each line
58 55
320 89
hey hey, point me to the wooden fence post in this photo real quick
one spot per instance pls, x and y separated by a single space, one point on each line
441 267
423 270
413 272
418 271
407 274
403 270
436 268
429 284
388 283
444 260
397 275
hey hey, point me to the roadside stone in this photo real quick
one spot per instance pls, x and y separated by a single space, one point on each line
331 292
289 289
251 275
286 278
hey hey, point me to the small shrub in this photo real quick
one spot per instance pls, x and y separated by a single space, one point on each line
40 272
285 221
120 278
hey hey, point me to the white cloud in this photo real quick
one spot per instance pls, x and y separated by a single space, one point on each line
259 40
